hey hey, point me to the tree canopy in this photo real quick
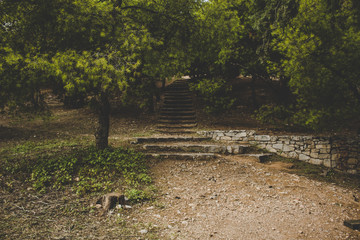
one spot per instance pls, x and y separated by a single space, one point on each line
100 48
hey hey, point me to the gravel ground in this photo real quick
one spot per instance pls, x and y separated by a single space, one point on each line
239 198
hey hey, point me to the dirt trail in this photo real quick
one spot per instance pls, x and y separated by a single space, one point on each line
238 198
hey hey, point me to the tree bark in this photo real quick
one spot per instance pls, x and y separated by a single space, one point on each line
102 130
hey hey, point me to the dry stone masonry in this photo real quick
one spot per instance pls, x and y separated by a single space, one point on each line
333 152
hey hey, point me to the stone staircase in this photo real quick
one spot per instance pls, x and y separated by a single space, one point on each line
177 120
177 112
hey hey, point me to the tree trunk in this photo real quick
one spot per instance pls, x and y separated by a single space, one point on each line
102 130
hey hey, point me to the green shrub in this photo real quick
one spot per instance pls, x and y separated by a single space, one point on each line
273 114
215 94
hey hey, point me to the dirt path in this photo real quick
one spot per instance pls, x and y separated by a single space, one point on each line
238 198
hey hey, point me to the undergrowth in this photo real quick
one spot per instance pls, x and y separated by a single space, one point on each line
84 170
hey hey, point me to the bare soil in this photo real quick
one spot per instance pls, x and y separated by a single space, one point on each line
237 198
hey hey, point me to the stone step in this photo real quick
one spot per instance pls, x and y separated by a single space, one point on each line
179 106
196 147
166 139
177 113
176 131
178 94
178 126
178 109
178 101
178 87
178 98
182 156
177 117
173 91
176 122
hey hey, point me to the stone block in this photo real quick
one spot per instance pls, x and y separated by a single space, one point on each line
236 149
314 150
262 138
229 149
274 138
319 146
328 163
230 134
270 149
262 145
324 150
324 156
303 157
316 161
296 138
251 132
225 138
288 148
241 134
352 161
314 155
352 171
293 155
278 146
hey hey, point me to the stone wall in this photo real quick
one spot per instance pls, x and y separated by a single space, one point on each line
332 152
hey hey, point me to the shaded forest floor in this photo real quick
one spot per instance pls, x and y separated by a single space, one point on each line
230 198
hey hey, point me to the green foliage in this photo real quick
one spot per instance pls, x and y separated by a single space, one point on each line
215 94
138 195
273 114
321 46
88 170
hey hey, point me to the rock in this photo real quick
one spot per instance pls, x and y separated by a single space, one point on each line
143 231
185 223
303 157
316 161
262 138
278 146
353 224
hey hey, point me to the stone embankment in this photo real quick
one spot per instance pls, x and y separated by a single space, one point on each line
333 152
